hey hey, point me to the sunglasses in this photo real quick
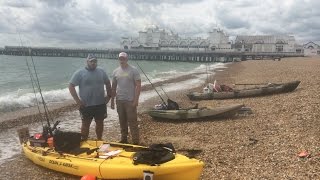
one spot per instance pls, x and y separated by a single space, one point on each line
93 61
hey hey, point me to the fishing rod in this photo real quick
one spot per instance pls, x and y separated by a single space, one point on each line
36 82
31 78
45 107
171 104
152 85
164 92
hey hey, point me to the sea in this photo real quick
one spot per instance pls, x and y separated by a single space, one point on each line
20 77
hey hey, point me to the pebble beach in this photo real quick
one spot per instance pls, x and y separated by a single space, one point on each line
261 145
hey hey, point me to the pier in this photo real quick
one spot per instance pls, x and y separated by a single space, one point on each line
150 55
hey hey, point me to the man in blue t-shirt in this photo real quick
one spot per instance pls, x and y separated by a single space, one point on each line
92 101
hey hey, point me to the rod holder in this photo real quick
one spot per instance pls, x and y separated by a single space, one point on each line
147 175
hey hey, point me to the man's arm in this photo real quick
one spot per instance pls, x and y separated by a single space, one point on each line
75 96
109 91
137 92
113 92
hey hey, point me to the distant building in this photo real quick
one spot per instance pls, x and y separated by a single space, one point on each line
311 49
2 50
159 39
267 43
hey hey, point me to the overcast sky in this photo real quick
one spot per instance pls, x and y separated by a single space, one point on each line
102 23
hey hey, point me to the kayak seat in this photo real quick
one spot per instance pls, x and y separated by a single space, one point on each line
78 150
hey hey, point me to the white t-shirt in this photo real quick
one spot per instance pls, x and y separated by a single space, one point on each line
126 79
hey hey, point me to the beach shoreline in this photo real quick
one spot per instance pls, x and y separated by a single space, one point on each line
31 114
263 145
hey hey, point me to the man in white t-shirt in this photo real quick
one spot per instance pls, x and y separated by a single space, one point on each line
126 87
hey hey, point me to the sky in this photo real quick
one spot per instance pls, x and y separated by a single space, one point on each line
102 23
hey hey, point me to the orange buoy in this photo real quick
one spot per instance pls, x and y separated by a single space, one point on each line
88 177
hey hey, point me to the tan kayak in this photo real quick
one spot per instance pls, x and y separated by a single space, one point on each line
267 89
184 114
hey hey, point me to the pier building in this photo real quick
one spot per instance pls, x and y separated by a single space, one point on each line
267 43
311 49
2 50
154 38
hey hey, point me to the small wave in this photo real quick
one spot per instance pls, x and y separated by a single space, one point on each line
163 76
173 87
15 101
209 67
156 76
169 73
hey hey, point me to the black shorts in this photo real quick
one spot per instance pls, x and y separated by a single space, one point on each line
98 112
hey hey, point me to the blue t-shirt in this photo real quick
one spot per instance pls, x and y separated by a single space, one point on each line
91 85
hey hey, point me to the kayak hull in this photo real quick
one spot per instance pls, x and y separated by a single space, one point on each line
252 92
185 114
117 167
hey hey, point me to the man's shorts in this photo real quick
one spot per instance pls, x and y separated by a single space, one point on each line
98 112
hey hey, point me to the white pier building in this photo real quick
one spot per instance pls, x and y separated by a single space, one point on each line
155 38
267 43
311 49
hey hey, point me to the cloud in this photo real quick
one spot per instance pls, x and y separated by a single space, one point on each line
102 23
57 3
157 2
19 4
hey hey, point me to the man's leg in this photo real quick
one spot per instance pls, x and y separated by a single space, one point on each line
86 118
85 126
122 121
100 113
99 129
133 122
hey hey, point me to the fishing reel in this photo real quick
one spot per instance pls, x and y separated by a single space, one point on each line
48 131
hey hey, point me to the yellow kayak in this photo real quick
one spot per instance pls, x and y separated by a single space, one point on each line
115 161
